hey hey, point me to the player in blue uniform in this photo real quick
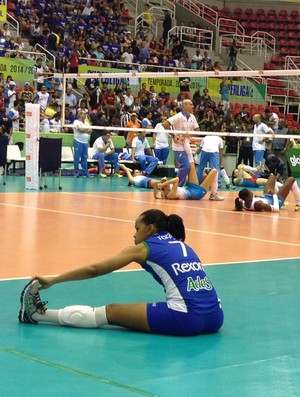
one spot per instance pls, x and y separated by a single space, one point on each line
271 200
192 306
137 179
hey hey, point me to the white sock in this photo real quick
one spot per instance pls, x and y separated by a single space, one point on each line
51 316
100 314
248 168
224 175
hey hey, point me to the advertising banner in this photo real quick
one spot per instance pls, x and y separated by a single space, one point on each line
3 12
293 158
21 70
240 90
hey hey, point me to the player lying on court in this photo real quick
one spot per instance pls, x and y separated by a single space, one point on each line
272 198
192 306
247 176
137 179
192 190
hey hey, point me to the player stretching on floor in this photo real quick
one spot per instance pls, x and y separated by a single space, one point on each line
192 306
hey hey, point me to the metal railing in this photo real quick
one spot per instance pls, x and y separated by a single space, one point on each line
139 21
193 37
132 66
200 9
253 45
48 54
230 26
27 54
269 42
13 24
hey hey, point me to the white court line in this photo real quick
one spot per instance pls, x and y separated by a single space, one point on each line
129 221
179 203
143 270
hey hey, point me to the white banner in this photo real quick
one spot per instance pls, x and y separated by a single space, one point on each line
32 130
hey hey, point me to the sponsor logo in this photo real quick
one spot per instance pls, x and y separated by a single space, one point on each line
186 267
198 284
295 161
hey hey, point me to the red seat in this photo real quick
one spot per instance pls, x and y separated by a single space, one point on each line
253 25
281 26
292 43
281 18
283 13
293 51
244 17
290 35
275 109
261 18
271 26
282 35
284 51
260 11
273 33
238 11
282 43
271 18
290 27
294 13
275 59
249 11
263 26
272 12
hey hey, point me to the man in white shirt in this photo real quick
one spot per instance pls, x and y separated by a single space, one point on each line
273 119
42 97
211 148
38 73
11 96
259 143
184 121
161 142
82 131
127 56
140 145
103 149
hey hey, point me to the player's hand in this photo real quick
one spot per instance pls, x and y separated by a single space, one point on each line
45 282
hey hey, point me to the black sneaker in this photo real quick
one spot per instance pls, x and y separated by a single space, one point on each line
31 303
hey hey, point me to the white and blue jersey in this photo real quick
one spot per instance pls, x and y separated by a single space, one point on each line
192 305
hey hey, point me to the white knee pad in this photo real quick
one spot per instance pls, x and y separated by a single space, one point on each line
78 316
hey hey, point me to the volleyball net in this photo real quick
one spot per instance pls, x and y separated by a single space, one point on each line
249 89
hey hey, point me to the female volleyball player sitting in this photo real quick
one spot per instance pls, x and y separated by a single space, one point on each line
192 306
272 199
192 190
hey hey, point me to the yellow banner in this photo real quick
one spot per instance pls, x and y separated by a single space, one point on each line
2 13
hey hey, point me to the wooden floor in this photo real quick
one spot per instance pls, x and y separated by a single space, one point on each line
49 232
253 259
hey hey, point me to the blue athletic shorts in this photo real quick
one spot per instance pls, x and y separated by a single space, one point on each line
247 183
165 321
195 192
271 201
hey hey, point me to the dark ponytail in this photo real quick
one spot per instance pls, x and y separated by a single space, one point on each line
170 223
176 227
238 204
